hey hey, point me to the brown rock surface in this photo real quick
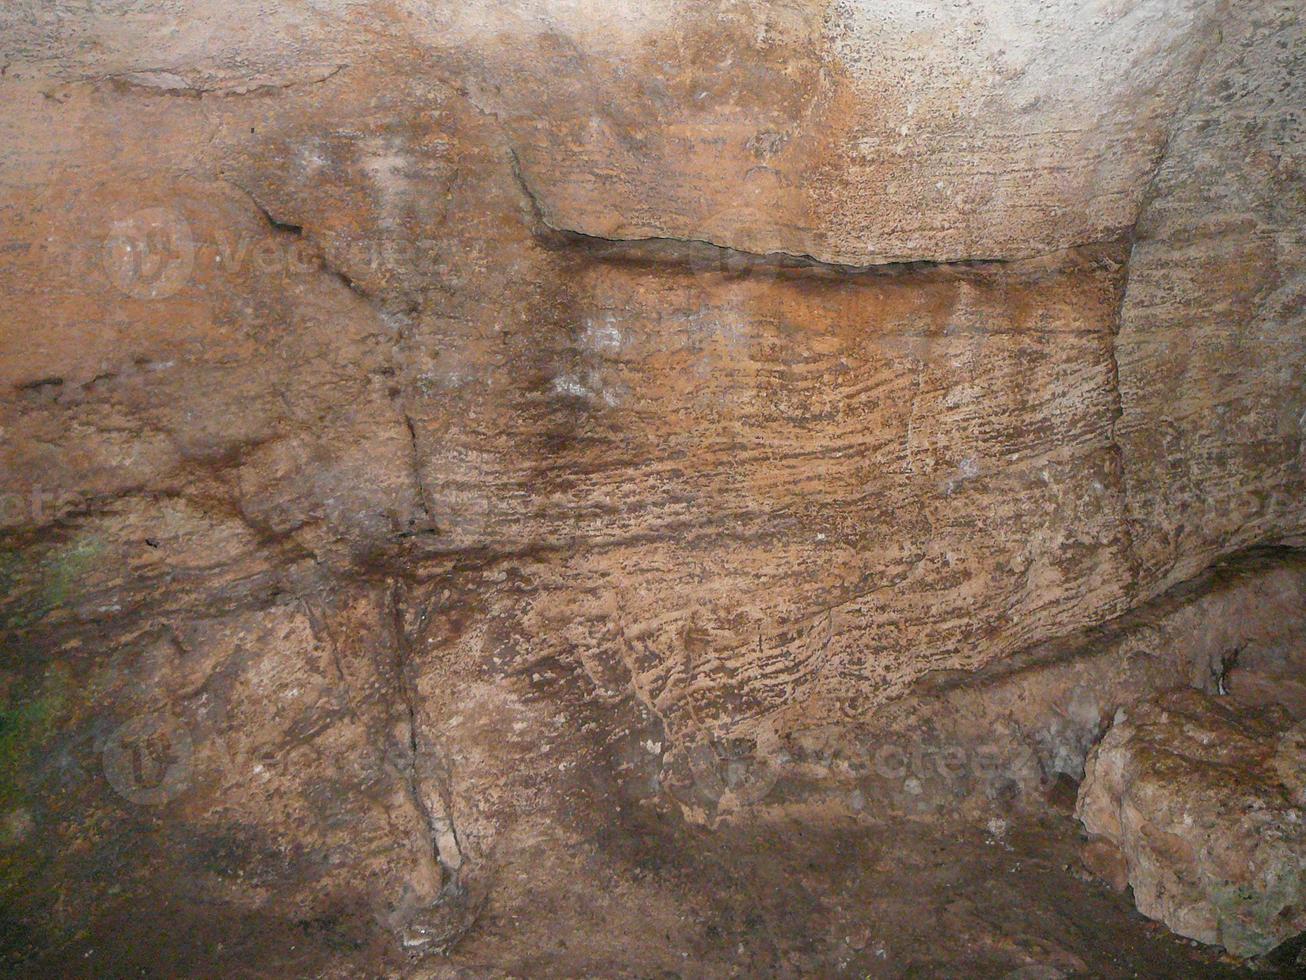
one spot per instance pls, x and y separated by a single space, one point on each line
1210 347
986 743
1208 805
1281 681
854 134
1103 859
377 536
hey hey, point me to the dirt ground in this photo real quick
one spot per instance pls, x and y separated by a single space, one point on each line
656 898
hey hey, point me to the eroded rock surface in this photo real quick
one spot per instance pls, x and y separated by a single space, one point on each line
374 524
850 132
1208 805
1004 739
1210 349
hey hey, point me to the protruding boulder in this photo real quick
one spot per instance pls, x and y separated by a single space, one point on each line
1206 803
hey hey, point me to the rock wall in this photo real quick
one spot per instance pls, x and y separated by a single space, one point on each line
427 426
1210 352
1014 737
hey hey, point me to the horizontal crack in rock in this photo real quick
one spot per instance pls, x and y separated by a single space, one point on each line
703 249
174 83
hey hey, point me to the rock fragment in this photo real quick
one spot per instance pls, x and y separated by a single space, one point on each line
1206 804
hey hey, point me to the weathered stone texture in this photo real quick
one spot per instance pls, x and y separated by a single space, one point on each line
850 132
338 435
1206 803
1212 345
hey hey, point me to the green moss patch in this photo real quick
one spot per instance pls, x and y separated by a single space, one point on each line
32 587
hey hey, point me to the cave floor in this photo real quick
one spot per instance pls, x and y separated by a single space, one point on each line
653 897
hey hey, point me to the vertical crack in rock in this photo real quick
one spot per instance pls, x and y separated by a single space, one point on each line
445 844
424 500
399 397
538 221
439 925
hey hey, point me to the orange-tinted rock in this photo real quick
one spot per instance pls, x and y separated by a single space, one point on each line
419 521
1206 804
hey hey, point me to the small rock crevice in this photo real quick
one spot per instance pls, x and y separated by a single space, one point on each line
184 83
445 844
708 253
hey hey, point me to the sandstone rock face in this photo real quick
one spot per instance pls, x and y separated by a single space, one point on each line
1208 805
1264 677
435 435
853 133
998 741
1216 280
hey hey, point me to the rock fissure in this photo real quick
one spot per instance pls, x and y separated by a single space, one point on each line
703 252
298 231
418 756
